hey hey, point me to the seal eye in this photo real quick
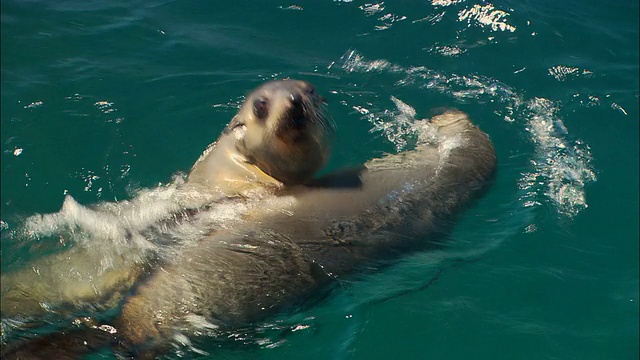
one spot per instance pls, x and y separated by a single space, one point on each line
261 108
311 91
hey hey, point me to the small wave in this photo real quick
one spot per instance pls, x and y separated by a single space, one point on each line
560 167
445 2
562 73
486 15
291 7
354 62
447 50
619 108
372 9
34 105
386 20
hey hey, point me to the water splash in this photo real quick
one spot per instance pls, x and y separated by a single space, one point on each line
563 168
135 228
560 166
92 243
400 127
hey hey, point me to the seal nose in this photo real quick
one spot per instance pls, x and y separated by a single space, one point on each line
297 107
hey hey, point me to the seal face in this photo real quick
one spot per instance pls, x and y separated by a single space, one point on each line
280 136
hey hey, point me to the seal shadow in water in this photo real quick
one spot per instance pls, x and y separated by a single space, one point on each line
302 235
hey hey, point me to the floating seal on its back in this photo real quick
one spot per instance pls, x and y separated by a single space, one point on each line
301 232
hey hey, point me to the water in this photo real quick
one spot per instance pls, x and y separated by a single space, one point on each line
101 100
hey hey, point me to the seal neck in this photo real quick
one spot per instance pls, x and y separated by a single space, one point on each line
222 168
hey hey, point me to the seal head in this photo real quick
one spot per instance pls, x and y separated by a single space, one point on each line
282 129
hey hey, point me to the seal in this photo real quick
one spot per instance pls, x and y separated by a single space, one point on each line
280 137
300 232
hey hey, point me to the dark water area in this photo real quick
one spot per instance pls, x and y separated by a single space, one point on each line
103 98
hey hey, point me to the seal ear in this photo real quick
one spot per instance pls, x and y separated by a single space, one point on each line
235 122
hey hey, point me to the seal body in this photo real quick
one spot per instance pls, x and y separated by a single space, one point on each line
297 233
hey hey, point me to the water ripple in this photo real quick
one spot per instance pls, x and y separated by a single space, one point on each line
486 15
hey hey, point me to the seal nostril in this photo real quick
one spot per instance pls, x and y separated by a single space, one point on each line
296 100
296 111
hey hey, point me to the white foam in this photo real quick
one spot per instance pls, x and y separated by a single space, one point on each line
562 72
565 168
137 228
399 126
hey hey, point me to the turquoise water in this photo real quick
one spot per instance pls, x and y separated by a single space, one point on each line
103 98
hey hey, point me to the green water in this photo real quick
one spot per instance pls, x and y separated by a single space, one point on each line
103 98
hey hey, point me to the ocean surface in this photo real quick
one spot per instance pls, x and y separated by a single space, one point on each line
102 99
